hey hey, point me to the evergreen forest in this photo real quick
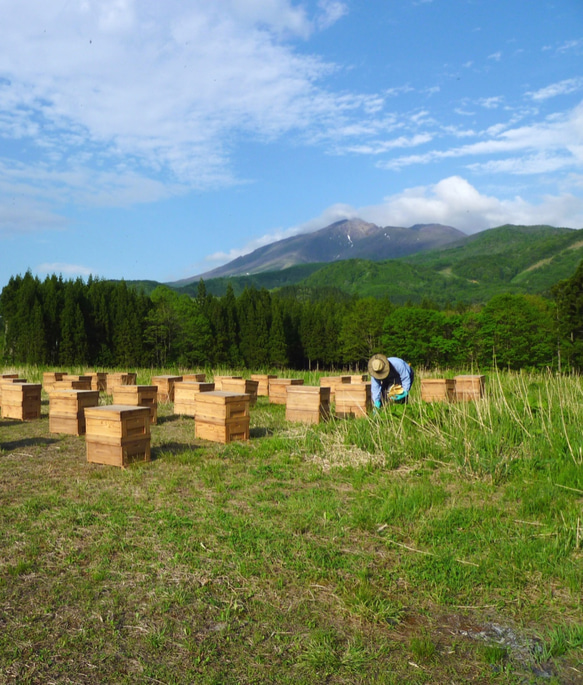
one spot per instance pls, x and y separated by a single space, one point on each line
101 323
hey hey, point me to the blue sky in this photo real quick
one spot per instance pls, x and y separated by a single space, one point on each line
142 139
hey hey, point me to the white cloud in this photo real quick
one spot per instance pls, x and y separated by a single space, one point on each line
565 87
165 87
559 137
455 202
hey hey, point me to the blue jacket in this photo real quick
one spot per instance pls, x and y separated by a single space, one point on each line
400 373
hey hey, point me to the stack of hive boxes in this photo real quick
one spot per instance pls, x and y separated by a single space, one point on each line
218 380
263 383
21 401
138 396
469 388
165 385
50 378
278 389
353 400
241 386
67 410
185 394
333 382
222 416
307 403
437 389
98 380
70 382
119 378
117 434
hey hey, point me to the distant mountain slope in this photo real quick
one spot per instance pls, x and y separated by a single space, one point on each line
348 239
507 259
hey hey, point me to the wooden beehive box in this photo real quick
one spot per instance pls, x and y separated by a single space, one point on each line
185 393
263 383
437 389
469 387
166 387
353 400
67 410
278 389
359 378
194 377
116 378
138 396
218 380
307 403
242 386
117 434
50 378
333 382
10 378
222 416
98 380
21 401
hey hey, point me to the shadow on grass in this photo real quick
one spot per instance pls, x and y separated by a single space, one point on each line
171 448
260 432
26 442
168 419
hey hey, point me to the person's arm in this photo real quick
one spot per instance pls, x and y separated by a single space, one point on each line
404 371
375 391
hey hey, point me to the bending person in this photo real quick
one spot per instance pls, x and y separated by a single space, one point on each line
391 379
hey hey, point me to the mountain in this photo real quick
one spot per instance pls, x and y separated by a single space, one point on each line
347 239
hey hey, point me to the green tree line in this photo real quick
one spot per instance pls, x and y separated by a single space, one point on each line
108 324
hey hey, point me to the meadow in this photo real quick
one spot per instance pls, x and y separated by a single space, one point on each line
426 543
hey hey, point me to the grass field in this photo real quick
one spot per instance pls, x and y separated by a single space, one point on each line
429 543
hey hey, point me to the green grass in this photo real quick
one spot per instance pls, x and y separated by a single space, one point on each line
429 543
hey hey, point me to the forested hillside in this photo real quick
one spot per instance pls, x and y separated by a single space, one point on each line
105 324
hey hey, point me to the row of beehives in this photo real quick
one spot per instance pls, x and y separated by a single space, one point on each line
119 434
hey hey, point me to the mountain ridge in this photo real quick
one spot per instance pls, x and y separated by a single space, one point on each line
345 239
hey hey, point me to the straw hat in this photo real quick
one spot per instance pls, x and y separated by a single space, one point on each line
378 366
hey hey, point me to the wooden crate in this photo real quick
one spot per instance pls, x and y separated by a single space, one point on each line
194 377
222 416
218 381
50 378
165 386
242 386
98 380
73 383
138 396
353 400
437 389
117 434
263 383
12 378
67 410
21 401
333 382
278 389
307 403
469 387
185 394
113 379
359 378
